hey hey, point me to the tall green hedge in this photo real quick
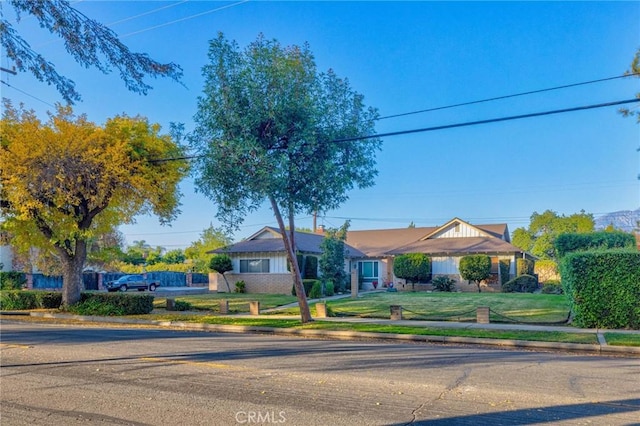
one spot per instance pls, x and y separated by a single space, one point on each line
603 288
10 280
567 243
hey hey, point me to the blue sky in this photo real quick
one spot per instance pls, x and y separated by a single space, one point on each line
403 56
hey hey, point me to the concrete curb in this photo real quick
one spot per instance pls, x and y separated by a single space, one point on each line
598 349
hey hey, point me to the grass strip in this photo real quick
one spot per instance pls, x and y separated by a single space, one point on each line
622 339
543 336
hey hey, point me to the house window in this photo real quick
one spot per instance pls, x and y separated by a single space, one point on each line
254 265
368 270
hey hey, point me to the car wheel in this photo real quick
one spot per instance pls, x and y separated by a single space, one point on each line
123 287
152 287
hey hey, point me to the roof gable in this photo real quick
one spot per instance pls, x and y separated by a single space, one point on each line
457 228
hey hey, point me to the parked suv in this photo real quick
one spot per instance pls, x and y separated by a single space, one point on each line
138 282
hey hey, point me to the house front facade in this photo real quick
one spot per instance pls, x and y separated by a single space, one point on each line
261 262
445 245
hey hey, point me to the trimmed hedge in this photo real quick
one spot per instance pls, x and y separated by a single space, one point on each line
131 304
567 243
603 288
521 284
11 280
29 299
307 284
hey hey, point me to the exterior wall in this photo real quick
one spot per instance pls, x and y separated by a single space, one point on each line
255 283
6 258
463 231
277 261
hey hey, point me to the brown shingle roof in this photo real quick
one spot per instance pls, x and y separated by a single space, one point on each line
449 246
305 242
376 243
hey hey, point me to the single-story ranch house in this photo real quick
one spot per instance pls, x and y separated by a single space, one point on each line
260 260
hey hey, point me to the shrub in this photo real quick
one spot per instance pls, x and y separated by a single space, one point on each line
316 290
12 280
307 284
29 299
567 243
181 305
127 304
476 268
603 288
552 288
521 284
505 269
524 267
241 287
310 267
329 289
444 283
413 267
96 307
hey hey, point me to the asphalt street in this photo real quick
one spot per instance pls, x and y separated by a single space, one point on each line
71 375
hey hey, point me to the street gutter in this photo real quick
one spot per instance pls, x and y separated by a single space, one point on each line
598 349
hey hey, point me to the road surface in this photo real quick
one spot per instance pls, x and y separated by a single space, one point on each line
72 375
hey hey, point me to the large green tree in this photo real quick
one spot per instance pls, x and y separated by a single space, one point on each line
90 43
198 253
68 180
267 126
544 228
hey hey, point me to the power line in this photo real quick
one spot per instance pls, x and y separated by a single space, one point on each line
506 96
206 12
444 127
25 93
491 120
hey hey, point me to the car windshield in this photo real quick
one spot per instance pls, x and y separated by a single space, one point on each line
122 279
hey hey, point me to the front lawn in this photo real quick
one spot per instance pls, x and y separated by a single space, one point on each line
238 302
505 307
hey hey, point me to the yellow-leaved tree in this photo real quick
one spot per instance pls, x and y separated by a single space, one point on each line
67 180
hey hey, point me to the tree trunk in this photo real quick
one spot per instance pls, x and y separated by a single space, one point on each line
72 275
305 313
226 282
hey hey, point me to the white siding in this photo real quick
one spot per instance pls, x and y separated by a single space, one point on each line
463 231
277 261
445 265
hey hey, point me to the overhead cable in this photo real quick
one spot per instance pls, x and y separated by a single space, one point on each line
531 92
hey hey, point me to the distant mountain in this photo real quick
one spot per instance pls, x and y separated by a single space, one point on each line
625 220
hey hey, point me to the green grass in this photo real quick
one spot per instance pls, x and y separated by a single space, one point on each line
546 336
529 308
238 302
622 339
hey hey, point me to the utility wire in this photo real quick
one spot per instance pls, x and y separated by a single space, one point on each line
491 120
25 93
506 96
448 126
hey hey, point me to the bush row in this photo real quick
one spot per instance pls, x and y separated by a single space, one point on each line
567 243
29 299
90 303
603 288
521 284
12 280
